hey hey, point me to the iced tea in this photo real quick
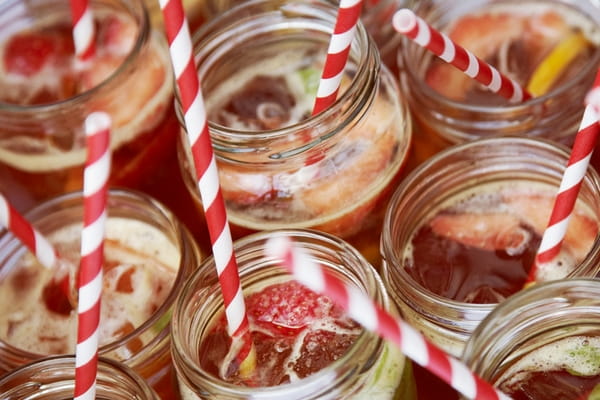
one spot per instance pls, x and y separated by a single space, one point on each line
46 94
307 348
543 343
518 38
462 231
148 254
278 166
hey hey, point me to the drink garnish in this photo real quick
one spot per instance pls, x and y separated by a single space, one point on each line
310 79
594 394
551 68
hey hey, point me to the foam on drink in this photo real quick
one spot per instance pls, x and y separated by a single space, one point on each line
296 333
571 366
578 354
140 267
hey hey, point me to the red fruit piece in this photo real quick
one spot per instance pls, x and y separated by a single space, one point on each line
27 53
116 35
55 298
287 308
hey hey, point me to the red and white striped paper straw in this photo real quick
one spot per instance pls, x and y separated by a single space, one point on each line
564 203
409 24
95 193
374 318
27 234
180 47
83 29
337 54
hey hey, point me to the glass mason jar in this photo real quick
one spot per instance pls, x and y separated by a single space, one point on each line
45 97
376 15
53 378
543 337
446 112
368 368
461 233
260 65
377 18
148 256
486 202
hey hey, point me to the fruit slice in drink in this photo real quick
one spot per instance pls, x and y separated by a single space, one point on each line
552 48
296 334
46 94
517 40
479 246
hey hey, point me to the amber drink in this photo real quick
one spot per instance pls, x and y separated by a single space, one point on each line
306 346
278 166
462 231
148 254
46 94
550 47
543 343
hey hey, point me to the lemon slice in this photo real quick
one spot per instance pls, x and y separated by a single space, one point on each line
248 366
555 63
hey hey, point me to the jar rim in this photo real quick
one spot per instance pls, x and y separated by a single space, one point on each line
113 372
419 176
540 311
322 14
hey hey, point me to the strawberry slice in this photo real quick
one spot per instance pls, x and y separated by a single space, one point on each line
27 53
286 309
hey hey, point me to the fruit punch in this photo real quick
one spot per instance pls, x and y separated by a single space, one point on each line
306 347
147 256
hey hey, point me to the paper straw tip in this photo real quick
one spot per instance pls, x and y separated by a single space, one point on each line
593 99
277 246
404 20
96 122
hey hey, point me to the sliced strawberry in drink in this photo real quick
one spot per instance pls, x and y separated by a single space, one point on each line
288 308
296 332
27 53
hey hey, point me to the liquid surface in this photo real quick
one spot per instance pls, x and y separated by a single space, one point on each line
515 40
479 247
139 270
296 333
337 191
568 369
38 67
